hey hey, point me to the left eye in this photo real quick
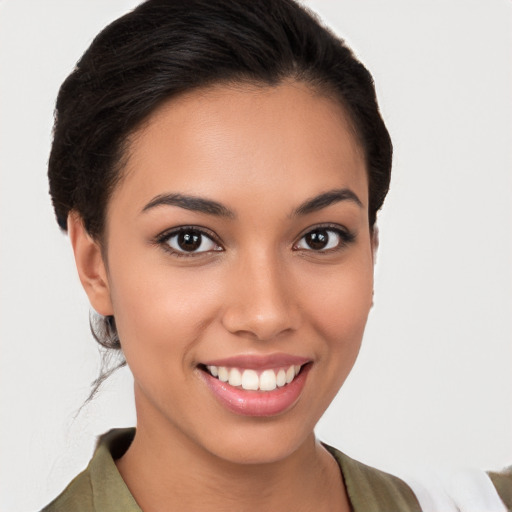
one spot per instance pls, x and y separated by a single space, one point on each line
191 241
321 239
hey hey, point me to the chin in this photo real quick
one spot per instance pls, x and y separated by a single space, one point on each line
261 441
258 452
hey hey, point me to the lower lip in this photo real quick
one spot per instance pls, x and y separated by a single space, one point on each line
257 403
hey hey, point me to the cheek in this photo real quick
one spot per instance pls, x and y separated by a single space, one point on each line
336 305
339 304
161 311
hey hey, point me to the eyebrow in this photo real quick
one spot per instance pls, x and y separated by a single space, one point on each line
196 204
326 199
210 207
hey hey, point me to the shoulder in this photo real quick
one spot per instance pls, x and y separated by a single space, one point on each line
76 497
502 481
100 487
372 490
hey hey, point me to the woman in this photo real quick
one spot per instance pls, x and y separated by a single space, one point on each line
212 274
228 163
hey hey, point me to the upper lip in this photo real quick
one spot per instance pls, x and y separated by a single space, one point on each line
258 362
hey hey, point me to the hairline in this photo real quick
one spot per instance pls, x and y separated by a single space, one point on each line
243 84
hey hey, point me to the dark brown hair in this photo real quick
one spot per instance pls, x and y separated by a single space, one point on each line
166 47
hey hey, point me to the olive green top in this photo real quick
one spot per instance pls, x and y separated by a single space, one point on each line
503 483
100 487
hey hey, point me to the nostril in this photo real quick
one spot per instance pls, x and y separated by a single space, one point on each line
259 326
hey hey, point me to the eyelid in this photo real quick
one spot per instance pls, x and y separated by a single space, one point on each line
162 238
347 236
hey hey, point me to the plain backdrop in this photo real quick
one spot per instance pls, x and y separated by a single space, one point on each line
433 383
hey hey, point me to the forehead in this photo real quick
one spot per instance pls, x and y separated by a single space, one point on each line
286 139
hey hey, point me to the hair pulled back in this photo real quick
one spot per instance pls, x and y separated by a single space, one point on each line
166 47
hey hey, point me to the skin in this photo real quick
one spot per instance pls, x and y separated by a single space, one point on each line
258 289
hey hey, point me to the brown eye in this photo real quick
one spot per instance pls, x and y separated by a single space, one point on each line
191 241
317 239
324 239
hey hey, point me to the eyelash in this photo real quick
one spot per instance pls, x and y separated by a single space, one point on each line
345 238
164 238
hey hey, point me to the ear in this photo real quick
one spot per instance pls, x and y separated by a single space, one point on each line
90 265
375 243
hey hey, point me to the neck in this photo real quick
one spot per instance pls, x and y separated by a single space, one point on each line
164 468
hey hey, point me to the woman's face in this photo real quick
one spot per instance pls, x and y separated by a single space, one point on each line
238 247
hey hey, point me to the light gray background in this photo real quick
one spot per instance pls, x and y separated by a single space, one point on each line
433 383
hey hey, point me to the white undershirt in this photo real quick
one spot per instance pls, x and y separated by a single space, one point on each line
467 490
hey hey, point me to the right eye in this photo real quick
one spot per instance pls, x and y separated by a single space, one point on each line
189 241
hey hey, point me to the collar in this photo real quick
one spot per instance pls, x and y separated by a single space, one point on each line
369 490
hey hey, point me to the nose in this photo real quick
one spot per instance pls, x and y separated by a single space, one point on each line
261 304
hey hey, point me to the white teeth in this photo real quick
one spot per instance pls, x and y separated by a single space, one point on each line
235 377
250 380
290 374
281 378
223 374
267 380
213 370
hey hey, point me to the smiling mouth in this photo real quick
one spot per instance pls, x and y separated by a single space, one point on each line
252 380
